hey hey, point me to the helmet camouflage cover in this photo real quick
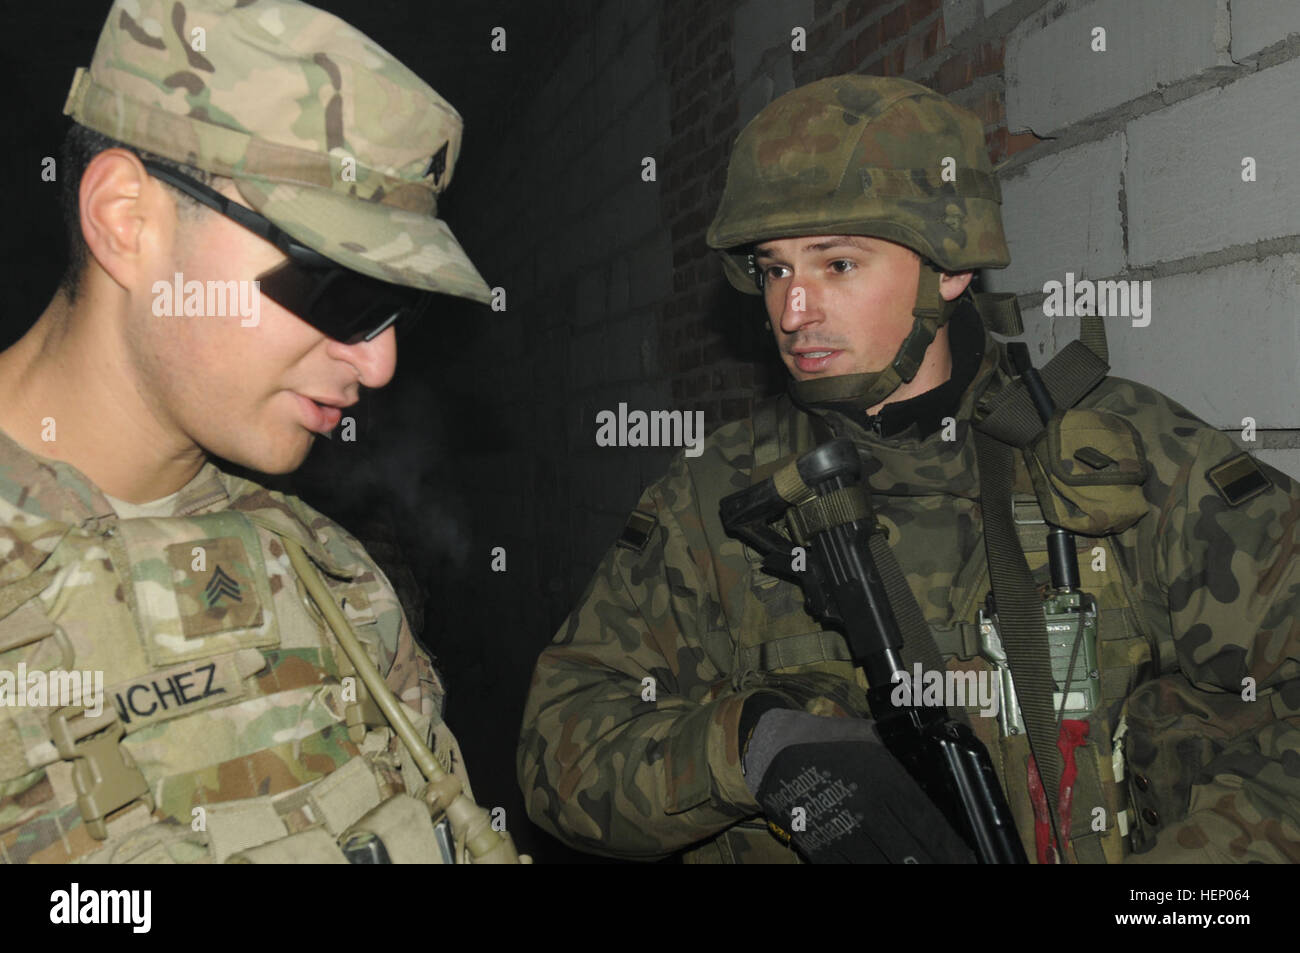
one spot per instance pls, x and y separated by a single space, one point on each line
862 155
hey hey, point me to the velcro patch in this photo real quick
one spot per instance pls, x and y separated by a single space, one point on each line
184 689
637 531
217 593
1238 479
200 585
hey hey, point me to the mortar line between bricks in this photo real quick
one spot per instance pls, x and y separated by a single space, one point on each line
1195 264
1117 118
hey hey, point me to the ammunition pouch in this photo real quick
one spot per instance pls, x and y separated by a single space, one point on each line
1194 741
351 815
1088 467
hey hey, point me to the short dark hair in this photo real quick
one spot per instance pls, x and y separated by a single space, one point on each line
80 146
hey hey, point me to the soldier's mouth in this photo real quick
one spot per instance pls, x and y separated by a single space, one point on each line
811 362
318 418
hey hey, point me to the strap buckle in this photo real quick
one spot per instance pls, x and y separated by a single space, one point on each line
363 713
106 777
1027 513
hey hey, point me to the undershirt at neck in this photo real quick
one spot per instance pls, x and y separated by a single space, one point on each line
160 507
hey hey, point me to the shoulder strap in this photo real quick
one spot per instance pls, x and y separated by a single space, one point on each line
1020 613
1001 315
1092 333
1010 416
780 430
1011 420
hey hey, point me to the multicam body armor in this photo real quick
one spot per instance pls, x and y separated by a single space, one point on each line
1198 591
233 725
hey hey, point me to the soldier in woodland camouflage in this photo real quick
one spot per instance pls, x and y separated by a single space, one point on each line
235 726
1191 752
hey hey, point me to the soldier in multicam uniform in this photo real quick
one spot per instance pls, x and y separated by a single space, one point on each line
1188 546
251 653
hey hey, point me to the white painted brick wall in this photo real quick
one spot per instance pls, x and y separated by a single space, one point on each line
1044 336
1062 214
1054 78
1258 24
1288 461
1224 342
1183 176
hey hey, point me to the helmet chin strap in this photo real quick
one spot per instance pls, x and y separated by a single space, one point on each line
859 392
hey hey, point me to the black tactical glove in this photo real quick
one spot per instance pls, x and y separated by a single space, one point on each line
831 784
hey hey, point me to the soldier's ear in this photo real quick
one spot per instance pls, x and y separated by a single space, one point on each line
951 286
127 218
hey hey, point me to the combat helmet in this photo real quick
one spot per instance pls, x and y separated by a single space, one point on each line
874 156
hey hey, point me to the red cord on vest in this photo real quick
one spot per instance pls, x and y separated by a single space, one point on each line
1073 733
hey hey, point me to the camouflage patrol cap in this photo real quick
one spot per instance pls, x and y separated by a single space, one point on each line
862 155
323 131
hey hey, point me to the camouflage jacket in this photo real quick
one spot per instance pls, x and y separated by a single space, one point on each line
629 745
227 686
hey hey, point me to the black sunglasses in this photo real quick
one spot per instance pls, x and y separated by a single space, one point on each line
339 302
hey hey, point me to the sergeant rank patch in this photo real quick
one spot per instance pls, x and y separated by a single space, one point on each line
214 584
1238 479
637 531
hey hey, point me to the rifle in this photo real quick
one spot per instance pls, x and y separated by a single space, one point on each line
843 589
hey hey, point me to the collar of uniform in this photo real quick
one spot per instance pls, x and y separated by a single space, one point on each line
204 494
55 490
49 489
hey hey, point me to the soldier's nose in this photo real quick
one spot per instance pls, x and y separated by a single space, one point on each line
375 360
798 308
